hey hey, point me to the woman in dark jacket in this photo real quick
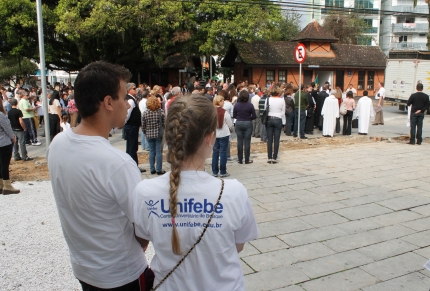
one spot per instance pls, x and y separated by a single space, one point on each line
244 113
309 126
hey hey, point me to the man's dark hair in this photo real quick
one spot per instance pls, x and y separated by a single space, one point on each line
96 81
365 93
420 87
207 89
243 96
312 84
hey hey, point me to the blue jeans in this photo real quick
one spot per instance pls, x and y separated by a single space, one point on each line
289 116
417 125
144 143
155 154
274 129
243 131
220 152
131 135
302 121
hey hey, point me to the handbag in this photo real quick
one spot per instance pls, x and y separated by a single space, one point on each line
198 240
343 109
265 115
160 128
355 123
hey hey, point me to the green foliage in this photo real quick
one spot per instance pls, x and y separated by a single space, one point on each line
348 28
13 66
126 32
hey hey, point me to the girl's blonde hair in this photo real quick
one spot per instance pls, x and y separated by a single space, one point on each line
189 121
217 100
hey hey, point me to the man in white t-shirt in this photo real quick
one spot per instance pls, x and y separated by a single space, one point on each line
93 184
352 89
379 117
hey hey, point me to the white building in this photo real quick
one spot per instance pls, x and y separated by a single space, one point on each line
403 25
395 24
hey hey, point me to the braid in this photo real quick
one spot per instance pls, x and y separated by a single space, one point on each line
175 157
188 122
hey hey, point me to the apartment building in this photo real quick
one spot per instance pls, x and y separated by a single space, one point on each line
394 24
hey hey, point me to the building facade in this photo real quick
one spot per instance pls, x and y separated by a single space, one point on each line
261 62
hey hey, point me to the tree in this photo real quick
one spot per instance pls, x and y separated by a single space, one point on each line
11 67
348 28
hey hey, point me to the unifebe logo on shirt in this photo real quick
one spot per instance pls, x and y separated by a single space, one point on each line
187 208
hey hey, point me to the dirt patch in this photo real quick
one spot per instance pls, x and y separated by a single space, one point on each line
38 168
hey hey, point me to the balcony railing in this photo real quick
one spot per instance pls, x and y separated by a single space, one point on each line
421 9
411 28
408 45
365 11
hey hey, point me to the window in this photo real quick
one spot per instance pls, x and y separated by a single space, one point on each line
270 76
363 4
282 76
370 80
361 80
246 73
405 19
403 38
335 3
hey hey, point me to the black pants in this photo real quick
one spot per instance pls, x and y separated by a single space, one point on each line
347 122
131 135
41 119
417 125
54 125
274 129
132 286
5 156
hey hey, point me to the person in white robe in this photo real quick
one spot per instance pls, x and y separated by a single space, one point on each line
364 112
330 112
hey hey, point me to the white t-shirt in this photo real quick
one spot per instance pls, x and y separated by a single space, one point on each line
142 105
214 263
381 93
65 125
53 108
93 183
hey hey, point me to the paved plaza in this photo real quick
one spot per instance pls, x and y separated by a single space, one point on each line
347 217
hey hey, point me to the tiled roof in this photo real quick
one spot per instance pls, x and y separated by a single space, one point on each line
281 53
314 32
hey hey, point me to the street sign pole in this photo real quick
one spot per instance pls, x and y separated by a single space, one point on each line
300 57
300 98
43 70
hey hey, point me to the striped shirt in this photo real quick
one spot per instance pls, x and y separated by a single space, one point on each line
6 132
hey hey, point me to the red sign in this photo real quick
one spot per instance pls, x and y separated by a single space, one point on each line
300 53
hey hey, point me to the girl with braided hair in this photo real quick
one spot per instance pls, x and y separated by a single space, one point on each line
197 223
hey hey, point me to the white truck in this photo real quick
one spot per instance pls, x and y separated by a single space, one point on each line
404 70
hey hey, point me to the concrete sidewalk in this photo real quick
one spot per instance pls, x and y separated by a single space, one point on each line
338 219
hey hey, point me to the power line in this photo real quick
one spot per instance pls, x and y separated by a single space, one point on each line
306 7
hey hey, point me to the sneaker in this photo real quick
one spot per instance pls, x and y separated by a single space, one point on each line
269 161
27 159
161 173
28 144
18 159
274 161
36 143
224 175
215 175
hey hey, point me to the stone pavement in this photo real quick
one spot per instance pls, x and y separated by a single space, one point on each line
350 218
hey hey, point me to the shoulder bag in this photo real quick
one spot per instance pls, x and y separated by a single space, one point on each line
343 109
265 115
198 240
